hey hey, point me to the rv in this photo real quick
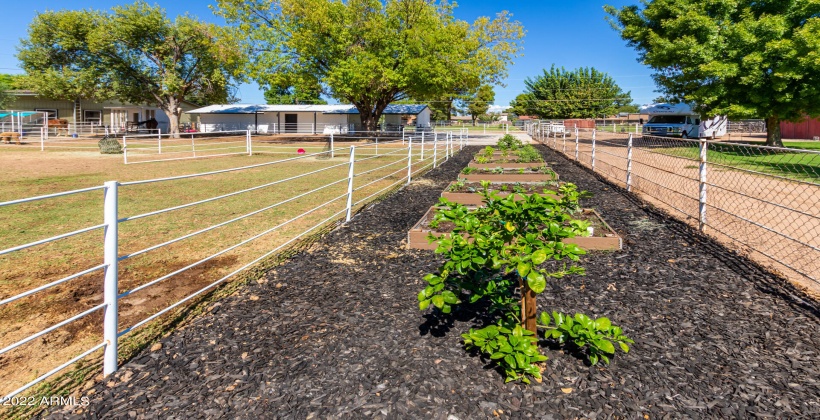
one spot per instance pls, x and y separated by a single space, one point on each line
679 120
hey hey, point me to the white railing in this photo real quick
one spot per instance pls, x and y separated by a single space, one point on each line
762 200
403 162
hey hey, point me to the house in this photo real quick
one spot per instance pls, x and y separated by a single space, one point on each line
304 119
84 115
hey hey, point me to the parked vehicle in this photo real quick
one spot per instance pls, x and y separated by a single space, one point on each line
679 120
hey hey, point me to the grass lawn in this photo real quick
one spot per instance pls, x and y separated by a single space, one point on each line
30 172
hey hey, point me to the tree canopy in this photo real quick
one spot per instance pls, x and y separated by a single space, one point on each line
581 93
744 58
371 52
134 53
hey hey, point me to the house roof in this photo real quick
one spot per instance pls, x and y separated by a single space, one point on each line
398 109
324 109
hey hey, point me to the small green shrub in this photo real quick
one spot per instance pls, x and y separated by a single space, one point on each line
482 159
514 349
468 170
509 142
529 154
593 337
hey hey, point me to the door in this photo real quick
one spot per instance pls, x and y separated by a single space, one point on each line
291 123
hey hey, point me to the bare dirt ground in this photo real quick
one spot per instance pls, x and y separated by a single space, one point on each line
773 220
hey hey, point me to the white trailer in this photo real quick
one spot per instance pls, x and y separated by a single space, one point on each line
679 120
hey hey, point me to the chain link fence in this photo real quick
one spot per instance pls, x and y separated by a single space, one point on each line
763 202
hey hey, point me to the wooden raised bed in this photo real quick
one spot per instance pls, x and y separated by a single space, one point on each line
505 165
475 198
602 239
510 175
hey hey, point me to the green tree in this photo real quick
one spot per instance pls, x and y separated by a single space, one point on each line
744 58
370 52
478 104
58 59
522 104
6 98
580 93
292 95
135 53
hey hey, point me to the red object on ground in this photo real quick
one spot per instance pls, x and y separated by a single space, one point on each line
301 151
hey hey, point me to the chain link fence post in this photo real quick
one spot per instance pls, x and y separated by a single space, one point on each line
593 150
629 164
702 185
576 143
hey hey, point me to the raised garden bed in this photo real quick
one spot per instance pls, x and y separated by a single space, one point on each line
511 175
603 237
505 163
468 193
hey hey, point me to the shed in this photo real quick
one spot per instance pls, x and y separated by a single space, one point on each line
808 129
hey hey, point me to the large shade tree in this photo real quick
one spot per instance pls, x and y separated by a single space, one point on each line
579 93
744 58
134 53
370 52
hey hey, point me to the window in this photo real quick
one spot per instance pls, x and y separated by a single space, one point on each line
150 113
667 119
92 116
52 113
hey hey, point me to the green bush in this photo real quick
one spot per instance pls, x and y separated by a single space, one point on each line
509 142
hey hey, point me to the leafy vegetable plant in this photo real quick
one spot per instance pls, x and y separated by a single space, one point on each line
514 349
468 170
509 142
593 337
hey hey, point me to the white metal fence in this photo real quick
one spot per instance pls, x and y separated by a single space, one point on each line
366 179
761 201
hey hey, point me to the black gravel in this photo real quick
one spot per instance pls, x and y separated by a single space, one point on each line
336 332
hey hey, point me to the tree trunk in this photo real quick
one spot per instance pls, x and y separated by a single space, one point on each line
172 110
528 307
773 136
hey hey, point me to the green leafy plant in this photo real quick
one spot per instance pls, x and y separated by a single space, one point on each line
455 186
468 170
496 254
509 142
504 187
594 338
488 152
482 159
498 170
521 171
529 154
514 349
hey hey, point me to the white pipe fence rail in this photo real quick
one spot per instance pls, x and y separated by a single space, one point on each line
403 162
761 201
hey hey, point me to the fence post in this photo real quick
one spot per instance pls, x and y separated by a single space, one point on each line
702 185
377 146
124 150
593 150
435 149
576 143
629 164
448 146
332 153
250 143
564 135
193 145
350 183
409 159
159 144
110 287
43 138
422 145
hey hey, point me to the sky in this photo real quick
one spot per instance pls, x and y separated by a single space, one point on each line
568 33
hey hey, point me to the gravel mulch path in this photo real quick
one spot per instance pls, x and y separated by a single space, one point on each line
336 332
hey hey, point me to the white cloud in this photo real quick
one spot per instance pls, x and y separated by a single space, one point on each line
497 108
